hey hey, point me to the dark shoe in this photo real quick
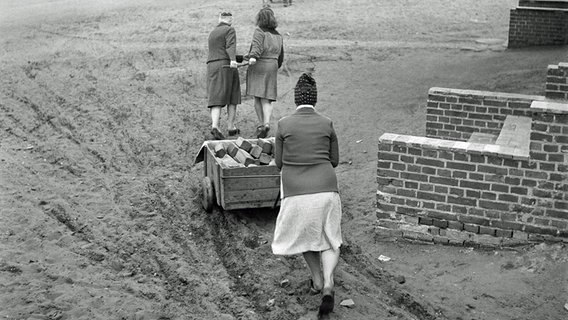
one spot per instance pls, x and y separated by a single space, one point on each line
327 303
217 134
234 132
261 131
313 290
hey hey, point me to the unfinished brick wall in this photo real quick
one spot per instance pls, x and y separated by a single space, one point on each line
557 81
456 114
459 192
538 23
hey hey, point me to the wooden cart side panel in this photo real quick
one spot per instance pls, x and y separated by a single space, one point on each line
250 198
251 171
250 205
251 183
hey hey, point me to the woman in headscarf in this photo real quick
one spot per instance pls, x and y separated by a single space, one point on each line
265 57
309 222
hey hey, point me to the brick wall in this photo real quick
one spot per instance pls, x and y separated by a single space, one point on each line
458 192
557 81
455 114
534 26
559 4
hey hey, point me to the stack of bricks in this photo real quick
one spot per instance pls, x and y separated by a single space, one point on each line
460 192
557 81
538 23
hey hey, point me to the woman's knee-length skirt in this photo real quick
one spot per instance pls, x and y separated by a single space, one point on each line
308 222
223 84
262 79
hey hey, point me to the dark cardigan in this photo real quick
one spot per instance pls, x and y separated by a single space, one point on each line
306 150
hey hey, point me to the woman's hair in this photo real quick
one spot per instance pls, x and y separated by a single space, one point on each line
266 19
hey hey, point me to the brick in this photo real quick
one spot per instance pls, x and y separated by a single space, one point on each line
382 214
455 225
488 196
386 207
414 235
441 189
558 214
399 149
430 162
507 225
519 190
444 181
460 166
389 156
487 230
474 220
383 233
462 201
540 230
494 205
459 209
384 164
471 228
476 176
487 240
414 168
508 198
414 176
520 235
425 221
243 144
434 231
441 240
441 215
406 193
408 210
428 170
474 185
440 223
431 196
388 173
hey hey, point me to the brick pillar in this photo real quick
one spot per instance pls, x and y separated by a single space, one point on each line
557 82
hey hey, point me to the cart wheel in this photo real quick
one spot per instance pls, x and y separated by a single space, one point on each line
208 196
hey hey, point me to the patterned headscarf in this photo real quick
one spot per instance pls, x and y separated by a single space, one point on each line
306 91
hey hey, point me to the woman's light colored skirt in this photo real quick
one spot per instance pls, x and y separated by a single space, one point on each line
308 222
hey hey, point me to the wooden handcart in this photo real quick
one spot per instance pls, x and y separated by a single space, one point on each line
236 187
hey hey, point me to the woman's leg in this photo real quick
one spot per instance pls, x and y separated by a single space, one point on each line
215 114
329 260
258 109
313 259
266 111
231 114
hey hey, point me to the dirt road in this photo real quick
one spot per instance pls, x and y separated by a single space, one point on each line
102 113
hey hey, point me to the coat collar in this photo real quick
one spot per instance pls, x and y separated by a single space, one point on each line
305 108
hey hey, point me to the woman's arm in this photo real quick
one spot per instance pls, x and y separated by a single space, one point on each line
278 146
333 148
256 46
281 56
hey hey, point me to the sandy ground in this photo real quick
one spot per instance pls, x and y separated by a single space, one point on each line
102 114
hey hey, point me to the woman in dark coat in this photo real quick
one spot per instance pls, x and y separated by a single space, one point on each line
223 84
265 57
309 221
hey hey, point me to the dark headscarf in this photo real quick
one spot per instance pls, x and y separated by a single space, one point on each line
306 91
